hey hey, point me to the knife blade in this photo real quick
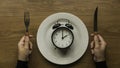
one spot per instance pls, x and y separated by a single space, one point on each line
95 20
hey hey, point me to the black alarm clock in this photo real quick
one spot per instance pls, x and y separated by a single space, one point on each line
62 36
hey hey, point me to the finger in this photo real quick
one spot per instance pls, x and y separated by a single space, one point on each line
27 34
21 42
96 40
30 36
101 39
92 45
92 51
95 33
31 45
22 39
92 34
27 42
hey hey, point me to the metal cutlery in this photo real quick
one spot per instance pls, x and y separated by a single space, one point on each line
95 21
26 21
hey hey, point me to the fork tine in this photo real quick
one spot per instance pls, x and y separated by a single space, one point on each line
26 16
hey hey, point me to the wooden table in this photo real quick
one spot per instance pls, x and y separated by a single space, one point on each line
12 28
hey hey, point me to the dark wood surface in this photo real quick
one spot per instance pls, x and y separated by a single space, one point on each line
12 28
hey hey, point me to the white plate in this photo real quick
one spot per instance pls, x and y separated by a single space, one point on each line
53 54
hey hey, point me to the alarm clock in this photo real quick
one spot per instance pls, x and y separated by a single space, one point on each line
62 35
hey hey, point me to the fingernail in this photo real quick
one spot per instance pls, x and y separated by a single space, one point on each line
95 36
26 38
92 34
30 35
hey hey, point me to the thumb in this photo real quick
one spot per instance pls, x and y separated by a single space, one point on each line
96 40
27 42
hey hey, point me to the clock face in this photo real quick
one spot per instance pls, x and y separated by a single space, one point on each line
62 37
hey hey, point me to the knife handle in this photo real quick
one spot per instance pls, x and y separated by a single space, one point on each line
95 33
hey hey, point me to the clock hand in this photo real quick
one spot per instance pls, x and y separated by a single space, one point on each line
65 36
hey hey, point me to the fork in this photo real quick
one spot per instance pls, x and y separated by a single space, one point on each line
26 21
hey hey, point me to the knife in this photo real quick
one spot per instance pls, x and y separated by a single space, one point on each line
95 20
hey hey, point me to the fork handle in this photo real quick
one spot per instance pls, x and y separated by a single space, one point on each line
27 34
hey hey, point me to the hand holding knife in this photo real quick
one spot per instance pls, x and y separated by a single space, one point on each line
95 25
98 44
